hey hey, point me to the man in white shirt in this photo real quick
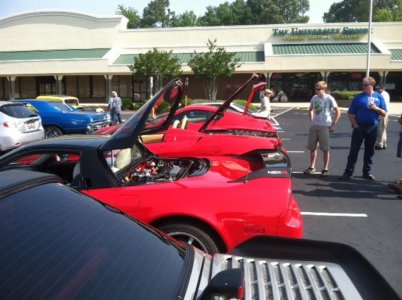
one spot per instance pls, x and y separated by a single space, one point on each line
381 143
321 125
265 108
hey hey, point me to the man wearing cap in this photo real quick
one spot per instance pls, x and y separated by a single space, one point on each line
383 123
265 108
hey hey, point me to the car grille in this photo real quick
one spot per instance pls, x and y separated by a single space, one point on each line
96 126
289 279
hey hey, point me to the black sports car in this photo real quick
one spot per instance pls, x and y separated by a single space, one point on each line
56 243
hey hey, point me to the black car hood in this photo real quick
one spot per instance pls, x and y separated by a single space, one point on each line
225 105
143 122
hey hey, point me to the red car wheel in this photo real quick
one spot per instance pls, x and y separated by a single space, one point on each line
191 235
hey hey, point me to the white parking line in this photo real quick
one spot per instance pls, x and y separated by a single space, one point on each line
304 213
281 113
290 151
302 172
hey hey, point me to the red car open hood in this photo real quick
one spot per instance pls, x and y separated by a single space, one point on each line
225 105
142 122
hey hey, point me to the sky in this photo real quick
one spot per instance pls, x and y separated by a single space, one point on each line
102 8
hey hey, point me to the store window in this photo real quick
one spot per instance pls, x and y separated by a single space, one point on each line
298 87
71 85
347 81
4 88
99 87
25 87
46 85
84 84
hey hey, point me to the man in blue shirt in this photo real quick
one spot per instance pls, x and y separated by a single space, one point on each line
363 114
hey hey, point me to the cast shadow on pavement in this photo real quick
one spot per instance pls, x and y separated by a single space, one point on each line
331 187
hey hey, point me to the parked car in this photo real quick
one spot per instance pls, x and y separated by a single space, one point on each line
193 116
244 108
59 118
66 245
222 133
18 125
216 202
248 107
70 100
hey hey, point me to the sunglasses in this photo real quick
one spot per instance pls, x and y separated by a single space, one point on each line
366 84
318 89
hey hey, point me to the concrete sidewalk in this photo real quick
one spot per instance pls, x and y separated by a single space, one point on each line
395 108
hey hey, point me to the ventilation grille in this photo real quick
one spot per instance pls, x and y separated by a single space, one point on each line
285 279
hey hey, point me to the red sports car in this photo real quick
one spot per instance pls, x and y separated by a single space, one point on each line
223 132
246 108
213 202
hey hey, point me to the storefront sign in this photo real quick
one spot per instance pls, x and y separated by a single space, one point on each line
301 34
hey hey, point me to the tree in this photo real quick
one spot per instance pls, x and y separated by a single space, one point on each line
131 14
242 12
158 64
156 14
348 11
293 11
265 12
212 65
186 19
358 11
236 13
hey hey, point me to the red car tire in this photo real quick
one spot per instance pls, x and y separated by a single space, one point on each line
192 235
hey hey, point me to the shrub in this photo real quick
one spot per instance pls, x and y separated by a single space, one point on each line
344 95
127 103
137 105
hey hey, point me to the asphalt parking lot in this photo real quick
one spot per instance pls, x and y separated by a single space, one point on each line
365 215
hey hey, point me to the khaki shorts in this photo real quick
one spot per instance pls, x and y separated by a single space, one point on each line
318 135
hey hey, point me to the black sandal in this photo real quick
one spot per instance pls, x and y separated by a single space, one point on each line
308 171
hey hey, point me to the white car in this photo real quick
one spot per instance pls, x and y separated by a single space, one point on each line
18 125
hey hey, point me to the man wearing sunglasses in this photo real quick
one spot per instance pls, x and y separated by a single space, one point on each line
322 123
363 114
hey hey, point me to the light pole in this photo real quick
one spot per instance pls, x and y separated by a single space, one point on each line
369 39
395 12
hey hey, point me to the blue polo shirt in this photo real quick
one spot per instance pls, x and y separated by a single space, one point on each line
359 108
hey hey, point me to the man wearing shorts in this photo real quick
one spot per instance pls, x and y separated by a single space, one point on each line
322 123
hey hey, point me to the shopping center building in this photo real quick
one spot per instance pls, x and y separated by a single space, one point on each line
62 52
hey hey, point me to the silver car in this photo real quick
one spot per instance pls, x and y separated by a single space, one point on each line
18 125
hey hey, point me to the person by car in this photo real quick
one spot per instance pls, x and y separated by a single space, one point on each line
114 107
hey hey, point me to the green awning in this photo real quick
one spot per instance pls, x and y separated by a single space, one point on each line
396 54
255 56
249 56
53 54
317 49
